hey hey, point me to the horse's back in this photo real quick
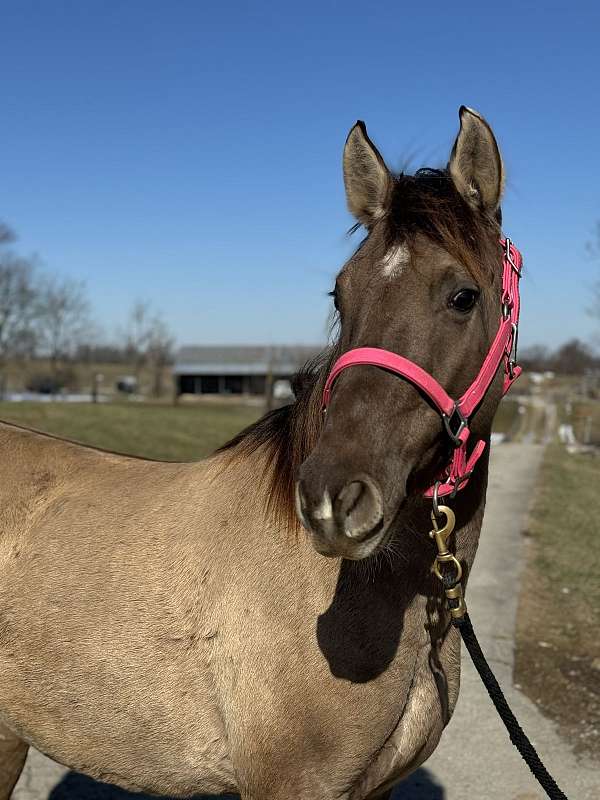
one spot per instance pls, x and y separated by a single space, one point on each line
99 613
37 469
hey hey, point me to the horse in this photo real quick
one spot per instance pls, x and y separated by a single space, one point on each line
265 622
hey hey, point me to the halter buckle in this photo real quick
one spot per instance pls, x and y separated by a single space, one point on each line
459 481
455 423
515 342
508 256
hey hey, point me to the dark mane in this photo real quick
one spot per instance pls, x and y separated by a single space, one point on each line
287 434
424 203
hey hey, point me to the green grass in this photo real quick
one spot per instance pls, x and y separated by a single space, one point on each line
564 523
558 649
582 411
173 433
156 430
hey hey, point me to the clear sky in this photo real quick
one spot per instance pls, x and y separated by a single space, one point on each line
189 153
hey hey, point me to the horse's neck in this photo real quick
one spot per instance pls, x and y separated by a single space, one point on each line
391 578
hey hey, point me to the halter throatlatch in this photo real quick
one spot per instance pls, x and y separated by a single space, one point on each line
455 413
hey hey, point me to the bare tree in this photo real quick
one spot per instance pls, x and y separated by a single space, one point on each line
573 358
535 357
159 352
17 306
7 235
62 319
149 343
138 336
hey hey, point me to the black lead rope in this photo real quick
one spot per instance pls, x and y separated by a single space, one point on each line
517 735
449 571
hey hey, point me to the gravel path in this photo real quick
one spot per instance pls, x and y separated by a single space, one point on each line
475 758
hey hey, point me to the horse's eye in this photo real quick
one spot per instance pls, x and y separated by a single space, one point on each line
464 300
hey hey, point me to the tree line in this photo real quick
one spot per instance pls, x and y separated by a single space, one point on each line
571 358
46 316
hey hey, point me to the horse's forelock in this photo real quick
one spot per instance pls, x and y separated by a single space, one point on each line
428 204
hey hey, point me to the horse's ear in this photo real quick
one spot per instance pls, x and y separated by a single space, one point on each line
475 163
367 179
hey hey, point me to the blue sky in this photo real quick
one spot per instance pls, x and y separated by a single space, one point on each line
189 153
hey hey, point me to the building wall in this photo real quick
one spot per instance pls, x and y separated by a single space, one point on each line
221 384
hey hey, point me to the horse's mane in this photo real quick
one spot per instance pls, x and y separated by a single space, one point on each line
287 434
424 203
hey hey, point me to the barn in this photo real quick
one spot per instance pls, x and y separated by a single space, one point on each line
237 369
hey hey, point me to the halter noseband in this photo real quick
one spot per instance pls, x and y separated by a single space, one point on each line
455 413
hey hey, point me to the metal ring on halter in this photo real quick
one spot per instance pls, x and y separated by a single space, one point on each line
436 508
514 344
509 258
449 420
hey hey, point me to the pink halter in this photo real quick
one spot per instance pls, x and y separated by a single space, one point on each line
455 414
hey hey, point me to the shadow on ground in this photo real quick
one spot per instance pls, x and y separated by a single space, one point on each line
421 785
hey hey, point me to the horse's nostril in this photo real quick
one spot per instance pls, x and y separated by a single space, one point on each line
359 508
354 514
350 497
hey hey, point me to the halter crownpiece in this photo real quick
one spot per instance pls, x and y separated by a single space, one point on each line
455 413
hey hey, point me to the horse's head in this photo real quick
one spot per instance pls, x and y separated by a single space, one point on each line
424 283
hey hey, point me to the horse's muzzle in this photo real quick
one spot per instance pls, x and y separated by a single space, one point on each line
348 523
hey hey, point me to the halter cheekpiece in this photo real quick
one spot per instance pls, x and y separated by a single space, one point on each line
455 413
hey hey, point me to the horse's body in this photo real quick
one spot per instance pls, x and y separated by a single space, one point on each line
158 633
167 627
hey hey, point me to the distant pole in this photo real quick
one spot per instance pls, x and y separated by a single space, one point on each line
96 381
269 387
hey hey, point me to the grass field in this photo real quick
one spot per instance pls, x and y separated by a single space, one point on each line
585 418
173 433
558 653
156 430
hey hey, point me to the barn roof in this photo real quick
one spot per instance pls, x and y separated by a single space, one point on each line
242 359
